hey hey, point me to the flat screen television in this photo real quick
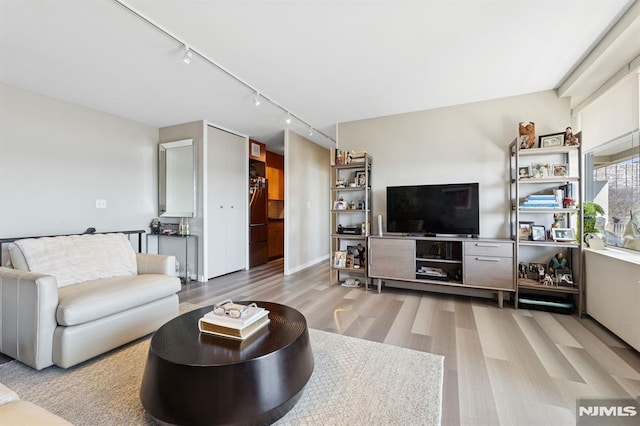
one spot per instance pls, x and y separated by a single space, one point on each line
450 209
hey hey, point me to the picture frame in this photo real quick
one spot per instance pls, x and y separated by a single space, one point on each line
524 172
564 277
340 259
360 178
536 271
538 233
563 234
353 252
540 170
551 140
340 205
524 230
560 170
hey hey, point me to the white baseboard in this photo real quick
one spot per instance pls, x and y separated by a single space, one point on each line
309 264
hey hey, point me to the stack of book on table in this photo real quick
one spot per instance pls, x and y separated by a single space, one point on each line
252 320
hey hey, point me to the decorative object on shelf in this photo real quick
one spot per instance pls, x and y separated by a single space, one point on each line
523 270
340 259
360 178
558 262
534 271
183 227
560 170
349 260
568 202
526 135
524 172
340 205
155 226
438 251
540 170
552 140
570 139
563 234
362 254
547 280
538 233
564 279
341 158
524 230
557 220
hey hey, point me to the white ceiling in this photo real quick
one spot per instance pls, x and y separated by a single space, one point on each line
326 61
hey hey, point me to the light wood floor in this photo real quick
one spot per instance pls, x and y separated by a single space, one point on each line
502 366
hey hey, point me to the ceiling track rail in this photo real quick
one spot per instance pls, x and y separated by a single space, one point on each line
220 68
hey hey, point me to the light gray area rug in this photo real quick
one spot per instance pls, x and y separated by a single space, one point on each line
354 382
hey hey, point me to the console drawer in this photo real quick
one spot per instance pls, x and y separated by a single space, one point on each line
488 271
488 248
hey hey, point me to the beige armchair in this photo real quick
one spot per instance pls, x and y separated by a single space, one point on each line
68 299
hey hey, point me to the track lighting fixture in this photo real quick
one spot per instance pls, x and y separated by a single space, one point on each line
204 59
188 54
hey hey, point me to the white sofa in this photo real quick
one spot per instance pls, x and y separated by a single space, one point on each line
67 299
16 412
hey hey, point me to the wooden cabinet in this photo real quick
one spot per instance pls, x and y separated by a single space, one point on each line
392 258
275 175
483 264
488 264
275 239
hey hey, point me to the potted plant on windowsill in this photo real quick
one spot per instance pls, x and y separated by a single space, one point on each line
590 211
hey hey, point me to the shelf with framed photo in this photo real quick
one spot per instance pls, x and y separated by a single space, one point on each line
546 194
350 213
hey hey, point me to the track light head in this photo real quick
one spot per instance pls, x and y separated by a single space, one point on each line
188 55
288 119
256 99
310 131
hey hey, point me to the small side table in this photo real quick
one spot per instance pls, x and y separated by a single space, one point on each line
185 279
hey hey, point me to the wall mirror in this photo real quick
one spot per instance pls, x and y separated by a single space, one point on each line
176 179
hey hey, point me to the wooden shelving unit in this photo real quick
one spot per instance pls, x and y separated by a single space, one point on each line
350 207
539 252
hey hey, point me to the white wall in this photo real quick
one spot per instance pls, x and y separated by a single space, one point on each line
57 158
306 202
466 143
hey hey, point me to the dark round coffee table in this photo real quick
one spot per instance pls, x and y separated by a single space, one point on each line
199 379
